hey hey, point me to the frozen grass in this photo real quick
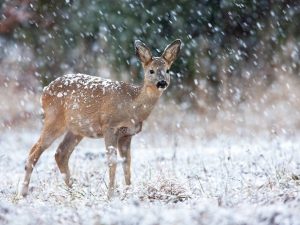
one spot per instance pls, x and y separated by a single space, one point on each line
241 166
225 180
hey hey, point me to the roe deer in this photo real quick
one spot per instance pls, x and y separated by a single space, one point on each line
87 106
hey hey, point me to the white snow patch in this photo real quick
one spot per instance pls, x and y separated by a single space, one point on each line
220 181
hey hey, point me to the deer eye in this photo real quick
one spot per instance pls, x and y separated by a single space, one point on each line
168 71
152 71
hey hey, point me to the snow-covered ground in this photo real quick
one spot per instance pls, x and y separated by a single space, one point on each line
236 167
176 180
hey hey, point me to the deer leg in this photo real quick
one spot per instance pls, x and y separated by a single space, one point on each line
49 134
124 150
111 141
63 153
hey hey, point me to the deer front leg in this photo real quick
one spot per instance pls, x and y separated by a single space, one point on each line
124 150
111 141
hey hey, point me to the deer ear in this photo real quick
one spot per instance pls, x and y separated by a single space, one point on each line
171 51
142 52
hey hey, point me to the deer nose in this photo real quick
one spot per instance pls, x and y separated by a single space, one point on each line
161 84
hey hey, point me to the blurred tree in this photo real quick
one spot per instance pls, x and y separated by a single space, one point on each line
220 36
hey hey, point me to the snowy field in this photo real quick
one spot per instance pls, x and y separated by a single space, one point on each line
176 180
239 168
221 147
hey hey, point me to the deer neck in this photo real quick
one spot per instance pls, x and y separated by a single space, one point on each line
145 101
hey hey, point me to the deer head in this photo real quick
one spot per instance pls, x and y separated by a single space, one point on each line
157 69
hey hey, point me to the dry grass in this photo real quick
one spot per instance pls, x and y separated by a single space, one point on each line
165 190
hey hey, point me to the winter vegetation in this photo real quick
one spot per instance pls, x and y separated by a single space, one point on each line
220 147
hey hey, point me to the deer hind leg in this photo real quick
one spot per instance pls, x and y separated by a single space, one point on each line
63 154
50 132
124 150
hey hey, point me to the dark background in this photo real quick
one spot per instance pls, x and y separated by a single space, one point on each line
230 47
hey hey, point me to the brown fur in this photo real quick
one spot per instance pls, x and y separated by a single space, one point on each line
86 106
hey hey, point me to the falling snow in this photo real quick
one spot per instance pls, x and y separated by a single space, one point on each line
221 146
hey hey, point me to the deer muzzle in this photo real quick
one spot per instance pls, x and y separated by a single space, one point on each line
161 84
